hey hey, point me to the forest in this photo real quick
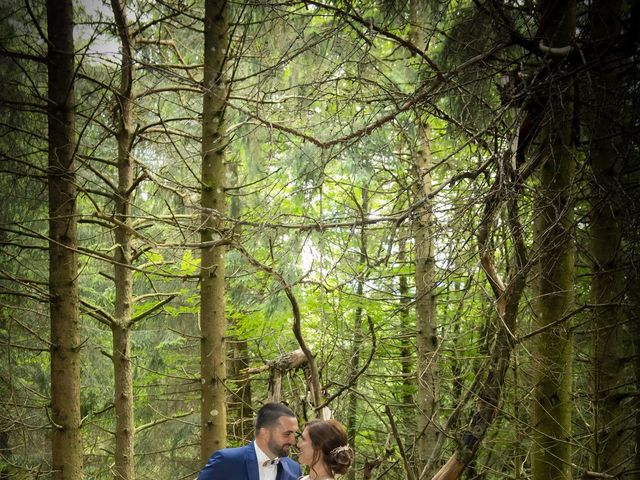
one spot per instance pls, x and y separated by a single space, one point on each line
419 217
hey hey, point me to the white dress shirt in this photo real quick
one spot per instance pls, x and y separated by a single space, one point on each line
268 472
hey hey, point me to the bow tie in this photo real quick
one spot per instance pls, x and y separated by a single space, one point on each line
275 461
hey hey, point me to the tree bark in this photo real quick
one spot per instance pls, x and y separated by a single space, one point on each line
66 441
551 453
123 253
607 287
212 282
123 403
406 333
425 265
633 315
426 339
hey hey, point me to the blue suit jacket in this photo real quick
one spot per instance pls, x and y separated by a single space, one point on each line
242 464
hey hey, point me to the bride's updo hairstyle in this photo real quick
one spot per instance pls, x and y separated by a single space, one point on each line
329 440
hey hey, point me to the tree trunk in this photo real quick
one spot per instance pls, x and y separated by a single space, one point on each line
352 407
632 304
424 256
123 403
607 287
123 384
212 282
634 331
406 333
426 339
66 441
551 453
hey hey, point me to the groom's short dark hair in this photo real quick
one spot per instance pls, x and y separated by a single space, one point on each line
270 413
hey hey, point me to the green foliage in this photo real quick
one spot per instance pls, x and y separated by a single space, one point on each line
324 119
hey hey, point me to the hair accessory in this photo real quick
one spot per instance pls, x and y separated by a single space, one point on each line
342 448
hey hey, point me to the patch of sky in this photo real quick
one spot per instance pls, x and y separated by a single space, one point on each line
91 37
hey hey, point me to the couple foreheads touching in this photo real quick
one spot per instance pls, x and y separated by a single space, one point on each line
323 447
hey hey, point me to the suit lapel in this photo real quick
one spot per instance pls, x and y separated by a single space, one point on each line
283 471
251 462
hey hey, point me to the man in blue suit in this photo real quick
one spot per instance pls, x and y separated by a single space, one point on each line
266 458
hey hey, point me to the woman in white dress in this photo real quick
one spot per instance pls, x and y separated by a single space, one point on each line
324 448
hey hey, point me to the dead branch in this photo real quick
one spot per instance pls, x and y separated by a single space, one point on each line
407 467
153 309
504 192
164 419
371 465
284 363
314 381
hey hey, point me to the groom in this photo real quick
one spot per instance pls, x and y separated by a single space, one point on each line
266 457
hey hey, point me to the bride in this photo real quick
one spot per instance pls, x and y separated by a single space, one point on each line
323 447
